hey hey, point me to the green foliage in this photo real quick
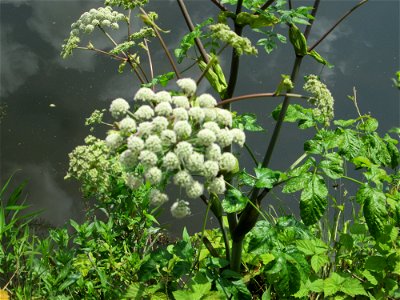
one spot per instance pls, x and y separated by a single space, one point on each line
160 79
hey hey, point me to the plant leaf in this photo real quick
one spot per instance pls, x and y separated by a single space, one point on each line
313 200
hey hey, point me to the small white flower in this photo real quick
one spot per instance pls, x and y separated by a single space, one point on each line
114 140
127 125
153 175
163 109
213 152
168 137
211 169
217 186
95 22
162 96
159 124
135 144
144 94
224 117
133 182
206 137
180 209
183 150
114 26
144 112
206 100
195 162
212 126
89 28
238 136
171 161
105 23
128 158
227 162
181 101
188 86
153 143
180 114
145 128
196 114
148 158
194 190
224 138
157 198
182 129
183 178
119 108
210 114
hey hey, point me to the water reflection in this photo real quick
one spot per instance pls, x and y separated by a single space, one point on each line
46 99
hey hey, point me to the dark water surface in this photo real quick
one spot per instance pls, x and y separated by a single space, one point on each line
46 99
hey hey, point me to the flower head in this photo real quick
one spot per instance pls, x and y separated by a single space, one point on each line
128 158
114 140
180 209
162 96
182 129
183 178
153 175
132 181
187 85
157 198
148 158
144 112
163 109
144 94
119 108
217 185
206 101
206 137
127 125
135 144
228 162
194 190
238 136
181 101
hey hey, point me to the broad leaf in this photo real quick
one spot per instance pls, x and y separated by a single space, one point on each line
374 209
313 200
234 201
266 178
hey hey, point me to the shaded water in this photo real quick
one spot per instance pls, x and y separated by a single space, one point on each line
46 99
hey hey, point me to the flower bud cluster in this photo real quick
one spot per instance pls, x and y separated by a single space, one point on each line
180 137
321 98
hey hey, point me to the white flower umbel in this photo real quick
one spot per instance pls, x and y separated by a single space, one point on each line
171 162
181 101
227 162
163 109
212 126
188 86
196 114
210 114
224 137
194 190
224 117
217 186
144 94
168 137
153 143
135 144
183 150
162 96
180 114
159 124
144 112
157 198
153 175
206 137
206 100
114 140
182 129
211 169
127 125
119 108
195 163
128 158
180 209
213 152
148 158
145 129
238 136
133 182
183 178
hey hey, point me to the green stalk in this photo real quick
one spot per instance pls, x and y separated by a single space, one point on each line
236 258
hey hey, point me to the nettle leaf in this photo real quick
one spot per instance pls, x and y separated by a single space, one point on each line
375 149
246 122
344 123
296 113
332 166
247 179
234 201
313 200
352 287
349 143
298 183
318 261
262 238
266 178
368 125
393 151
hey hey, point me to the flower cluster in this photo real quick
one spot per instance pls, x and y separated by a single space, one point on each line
180 137
241 44
321 98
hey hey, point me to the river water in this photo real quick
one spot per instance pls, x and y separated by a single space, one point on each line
45 100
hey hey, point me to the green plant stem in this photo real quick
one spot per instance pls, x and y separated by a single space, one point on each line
236 259
102 52
259 95
190 25
164 46
251 154
219 5
149 58
352 179
336 24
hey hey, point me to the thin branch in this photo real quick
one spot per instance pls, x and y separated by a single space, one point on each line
336 24
265 5
251 154
102 52
219 5
164 46
149 58
189 23
259 95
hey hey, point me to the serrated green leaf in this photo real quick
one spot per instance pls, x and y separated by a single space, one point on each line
368 125
352 287
313 200
318 261
246 122
346 240
375 263
266 178
332 166
234 201
374 209
333 284
303 168
344 123
297 183
247 179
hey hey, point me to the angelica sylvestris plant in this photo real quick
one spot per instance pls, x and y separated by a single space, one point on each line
180 138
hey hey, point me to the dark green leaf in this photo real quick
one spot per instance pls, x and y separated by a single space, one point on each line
247 179
266 178
313 200
234 201
298 183
332 165
375 263
247 122
374 209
